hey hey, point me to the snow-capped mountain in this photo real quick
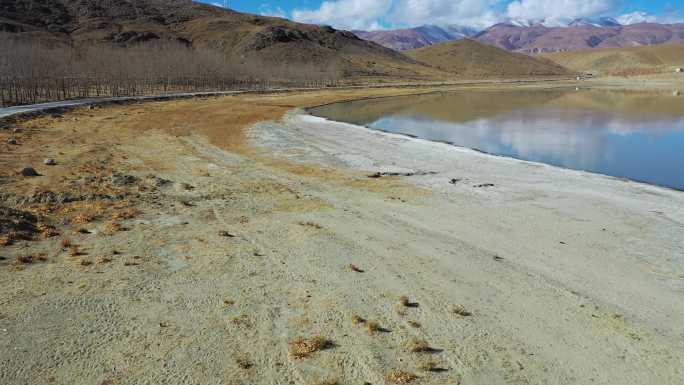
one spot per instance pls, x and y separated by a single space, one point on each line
412 38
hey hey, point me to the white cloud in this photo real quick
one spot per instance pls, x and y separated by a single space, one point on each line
643 17
267 10
349 14
541 9
473 13
636 17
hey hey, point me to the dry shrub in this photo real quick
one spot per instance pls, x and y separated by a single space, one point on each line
241 321
356 319
419 346
228 302
461 310
373 327
65 243
311 224
243 361
84 218
305 347
86 262
47 231
127 213
113 227
103 259
6 240
429 366
415 324
75 251
401 377
25 259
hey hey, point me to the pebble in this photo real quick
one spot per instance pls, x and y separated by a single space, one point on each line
49 162
12 141
18 130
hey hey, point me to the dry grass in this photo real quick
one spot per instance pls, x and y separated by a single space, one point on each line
113 227
357 319
373 327
65 243
6 240
311 225
47 231
228 302
461 310
75 251
305 347
103 259
86 262
328 382
419 346
25 259
401 377
127 213
241 321
429 366
415 324
243 361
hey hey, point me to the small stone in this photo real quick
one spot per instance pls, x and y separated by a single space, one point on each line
18 130
227 234
12 141
29 171
50 162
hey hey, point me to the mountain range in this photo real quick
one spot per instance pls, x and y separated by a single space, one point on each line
537 36
242 37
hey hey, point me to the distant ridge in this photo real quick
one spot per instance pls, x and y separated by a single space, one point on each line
472 59
242 37
630 61
412 38
538 38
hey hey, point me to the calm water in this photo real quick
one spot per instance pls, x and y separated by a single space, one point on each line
635 135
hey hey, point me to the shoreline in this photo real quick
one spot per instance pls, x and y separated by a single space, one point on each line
227 229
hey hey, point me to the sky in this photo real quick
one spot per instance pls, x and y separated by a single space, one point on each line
388 14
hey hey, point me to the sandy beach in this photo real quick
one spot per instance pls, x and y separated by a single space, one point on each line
239 240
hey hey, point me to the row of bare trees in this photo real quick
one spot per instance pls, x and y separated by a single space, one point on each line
33 72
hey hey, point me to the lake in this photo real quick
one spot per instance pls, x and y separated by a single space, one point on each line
625 134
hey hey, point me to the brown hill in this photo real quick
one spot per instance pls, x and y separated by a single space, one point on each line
471 59
623 61
540 39
242 37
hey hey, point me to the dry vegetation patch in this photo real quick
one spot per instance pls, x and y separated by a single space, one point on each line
401 377
305 347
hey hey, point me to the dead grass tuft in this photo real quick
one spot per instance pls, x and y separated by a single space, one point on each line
313 225
65 243
127 213
243 361
419 346
461 310
415 324
356 319
25 259
305 347
241 321
47 231
86 262
75 251
113 227
406 302
429 366
103 259
401 377
373 327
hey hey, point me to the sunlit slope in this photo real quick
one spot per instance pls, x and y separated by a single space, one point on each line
642 60
471 59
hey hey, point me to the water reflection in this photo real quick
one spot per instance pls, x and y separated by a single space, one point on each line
636 135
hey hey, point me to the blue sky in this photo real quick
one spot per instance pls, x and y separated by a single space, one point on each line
380 14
